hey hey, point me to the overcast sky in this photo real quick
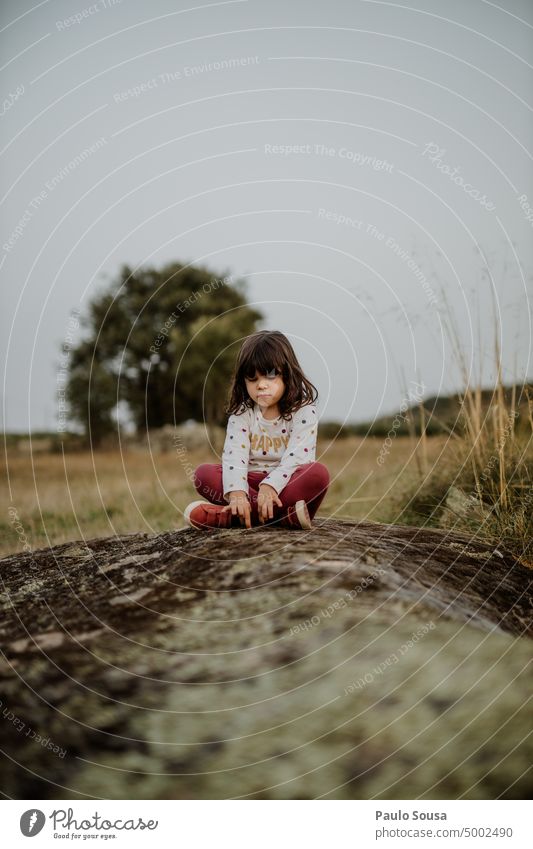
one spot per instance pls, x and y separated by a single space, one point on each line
366 166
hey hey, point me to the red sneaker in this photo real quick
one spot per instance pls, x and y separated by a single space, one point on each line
296 516
202 516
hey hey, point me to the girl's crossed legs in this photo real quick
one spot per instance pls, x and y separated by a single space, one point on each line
309 482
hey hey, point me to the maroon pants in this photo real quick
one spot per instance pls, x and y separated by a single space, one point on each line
309 482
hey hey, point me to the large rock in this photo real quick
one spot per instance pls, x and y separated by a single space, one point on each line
354 661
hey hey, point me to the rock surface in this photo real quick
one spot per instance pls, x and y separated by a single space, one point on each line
357 660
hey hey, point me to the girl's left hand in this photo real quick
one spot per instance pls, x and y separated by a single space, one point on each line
266 498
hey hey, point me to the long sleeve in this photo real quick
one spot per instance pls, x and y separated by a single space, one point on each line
236 453
301 447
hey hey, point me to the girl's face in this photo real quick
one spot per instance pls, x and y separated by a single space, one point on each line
265 389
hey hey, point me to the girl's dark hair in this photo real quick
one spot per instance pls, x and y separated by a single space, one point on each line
265 351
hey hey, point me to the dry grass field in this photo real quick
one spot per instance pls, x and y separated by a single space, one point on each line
56 498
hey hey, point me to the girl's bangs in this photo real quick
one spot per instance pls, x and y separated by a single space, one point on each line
261 359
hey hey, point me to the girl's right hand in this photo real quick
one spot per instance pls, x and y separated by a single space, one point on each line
240 506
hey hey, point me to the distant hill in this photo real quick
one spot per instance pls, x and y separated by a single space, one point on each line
441 414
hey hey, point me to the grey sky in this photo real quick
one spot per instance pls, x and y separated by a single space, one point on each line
186 115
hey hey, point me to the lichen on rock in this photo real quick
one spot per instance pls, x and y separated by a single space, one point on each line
356 660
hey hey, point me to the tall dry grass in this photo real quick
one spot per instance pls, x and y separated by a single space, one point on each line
484 483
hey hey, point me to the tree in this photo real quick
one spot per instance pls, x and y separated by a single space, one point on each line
162 343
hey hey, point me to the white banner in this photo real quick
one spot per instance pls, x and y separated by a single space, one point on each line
268 824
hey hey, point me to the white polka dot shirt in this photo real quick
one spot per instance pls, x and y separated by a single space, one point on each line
276 446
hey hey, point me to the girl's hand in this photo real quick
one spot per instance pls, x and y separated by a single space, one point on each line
266 498
240 506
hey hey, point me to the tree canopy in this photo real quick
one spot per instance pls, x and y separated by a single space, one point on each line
163 344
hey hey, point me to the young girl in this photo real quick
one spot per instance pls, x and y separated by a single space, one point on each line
268 472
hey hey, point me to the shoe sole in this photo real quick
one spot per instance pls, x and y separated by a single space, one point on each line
303 515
